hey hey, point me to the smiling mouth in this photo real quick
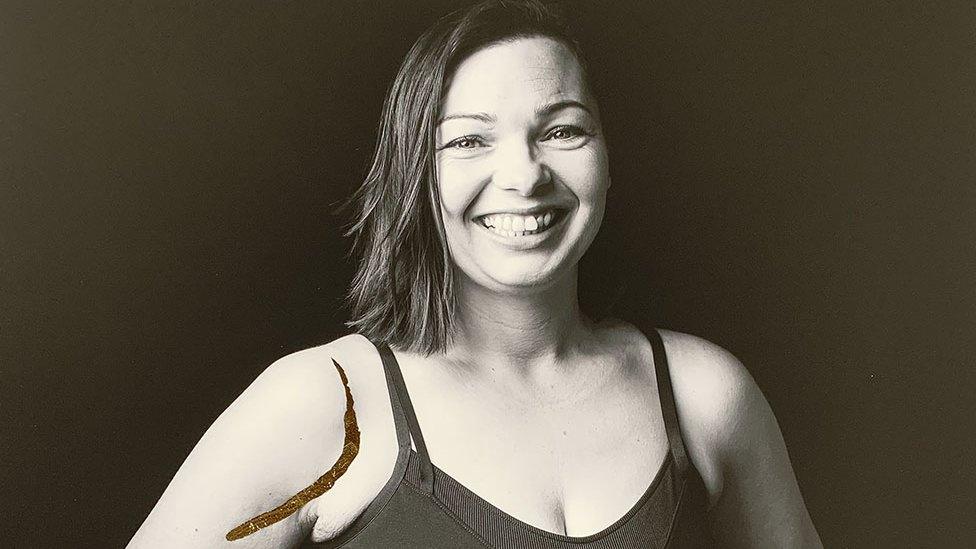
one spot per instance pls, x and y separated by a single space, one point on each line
514 225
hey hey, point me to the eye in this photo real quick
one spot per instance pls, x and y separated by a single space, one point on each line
466 142
565 133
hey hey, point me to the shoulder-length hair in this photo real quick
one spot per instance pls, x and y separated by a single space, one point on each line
403 290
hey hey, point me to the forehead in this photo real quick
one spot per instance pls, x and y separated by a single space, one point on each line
523 71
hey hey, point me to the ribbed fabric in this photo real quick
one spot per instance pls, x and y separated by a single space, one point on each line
423 507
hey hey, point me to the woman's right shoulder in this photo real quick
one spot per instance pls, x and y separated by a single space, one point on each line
307 389
309 377
278 437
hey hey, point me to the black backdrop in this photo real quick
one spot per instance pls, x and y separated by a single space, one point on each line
793 182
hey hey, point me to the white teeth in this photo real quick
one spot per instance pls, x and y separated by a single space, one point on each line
518 223
512 225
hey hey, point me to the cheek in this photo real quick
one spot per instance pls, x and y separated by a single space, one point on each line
458 184
587 175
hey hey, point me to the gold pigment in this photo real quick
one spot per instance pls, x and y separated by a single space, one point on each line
350 448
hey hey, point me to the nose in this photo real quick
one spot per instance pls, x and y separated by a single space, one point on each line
520 169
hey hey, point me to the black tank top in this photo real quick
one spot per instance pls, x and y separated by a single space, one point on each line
423 507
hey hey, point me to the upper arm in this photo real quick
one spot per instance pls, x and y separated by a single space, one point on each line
735 441
270 443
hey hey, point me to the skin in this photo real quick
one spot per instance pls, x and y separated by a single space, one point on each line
350 449
548 416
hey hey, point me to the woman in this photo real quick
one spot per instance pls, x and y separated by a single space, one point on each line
479 406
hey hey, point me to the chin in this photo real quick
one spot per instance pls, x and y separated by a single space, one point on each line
519 281
523 274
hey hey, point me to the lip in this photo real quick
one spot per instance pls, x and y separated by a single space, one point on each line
527 241
534 210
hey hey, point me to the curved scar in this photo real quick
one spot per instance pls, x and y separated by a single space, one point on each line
350 448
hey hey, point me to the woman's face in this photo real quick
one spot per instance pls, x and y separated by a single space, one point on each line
521 164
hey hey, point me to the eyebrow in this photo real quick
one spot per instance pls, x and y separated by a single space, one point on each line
482 116
541 112
560 105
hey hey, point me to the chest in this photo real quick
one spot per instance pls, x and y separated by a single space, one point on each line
570 463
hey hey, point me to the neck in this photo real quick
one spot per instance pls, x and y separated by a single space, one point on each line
519 330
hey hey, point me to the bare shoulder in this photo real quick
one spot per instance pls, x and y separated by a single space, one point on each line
280 435
307 381
303 381
710 382
735 442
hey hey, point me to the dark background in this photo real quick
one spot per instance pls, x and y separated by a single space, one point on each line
792 182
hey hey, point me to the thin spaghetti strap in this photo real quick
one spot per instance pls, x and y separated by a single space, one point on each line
404 412
666 396
399 419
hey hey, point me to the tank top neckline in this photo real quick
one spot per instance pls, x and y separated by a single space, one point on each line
518 523
408 429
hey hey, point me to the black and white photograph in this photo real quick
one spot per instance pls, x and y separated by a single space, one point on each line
506 274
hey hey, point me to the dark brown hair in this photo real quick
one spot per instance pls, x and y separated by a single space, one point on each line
402 292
